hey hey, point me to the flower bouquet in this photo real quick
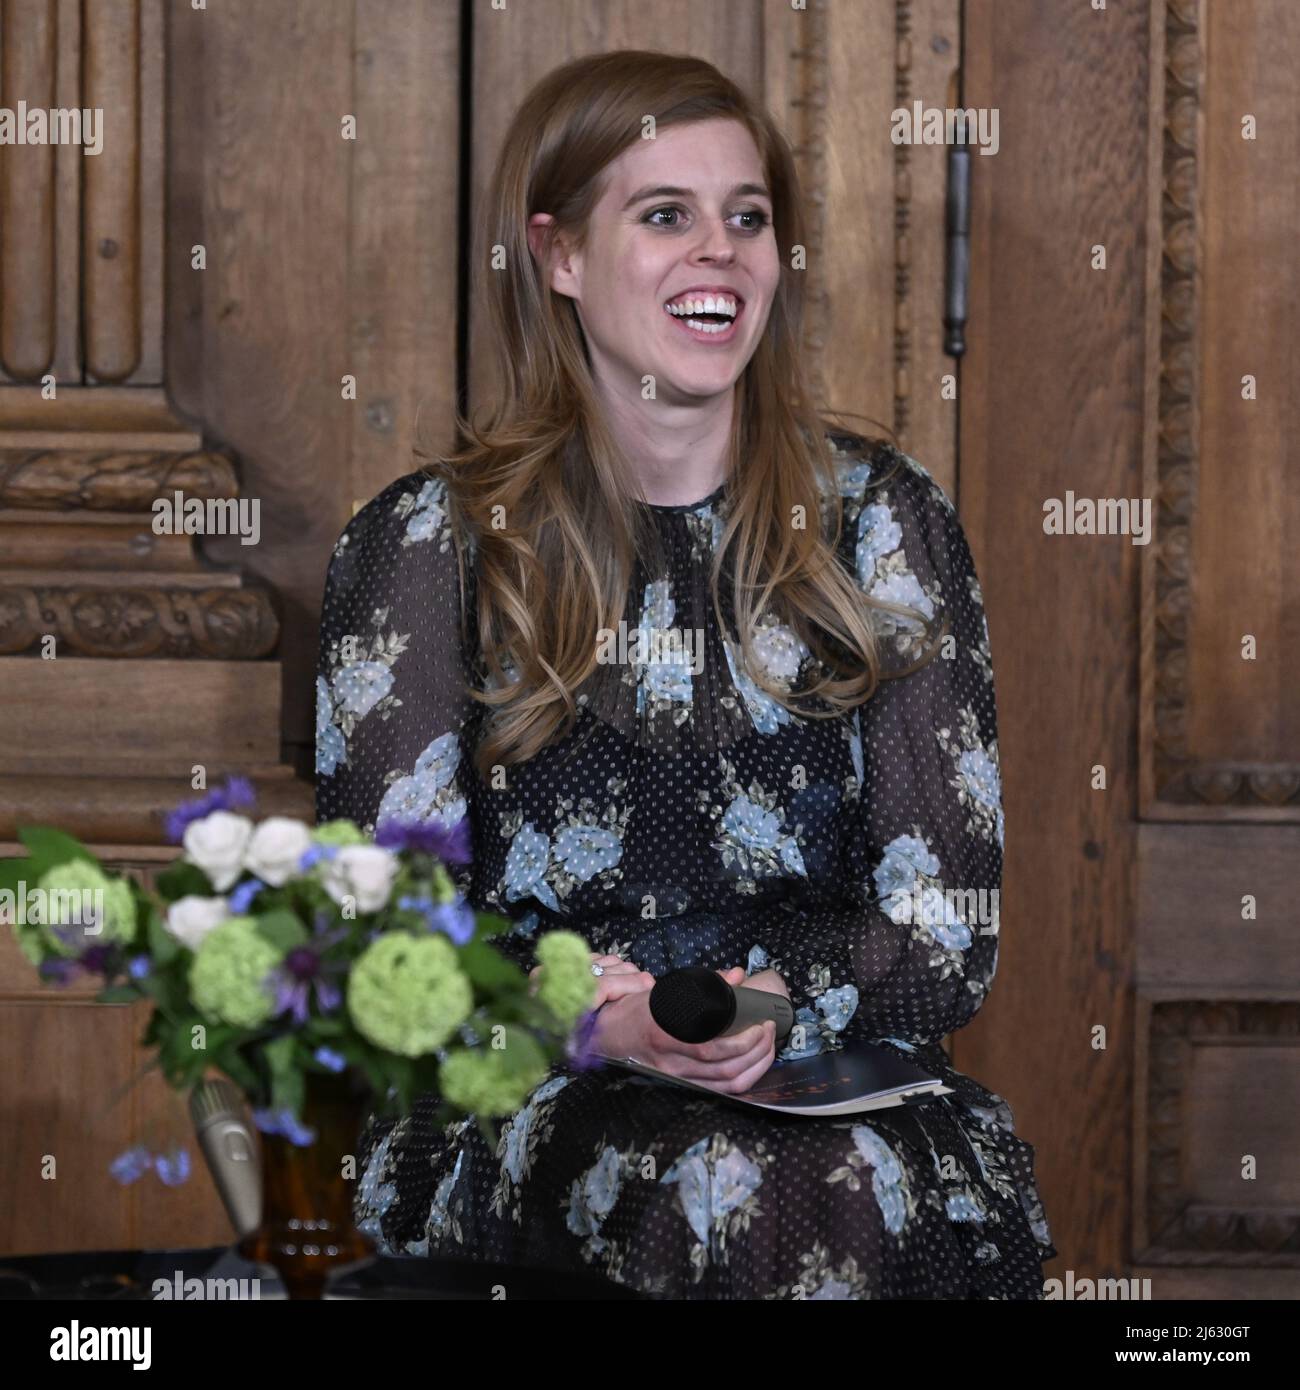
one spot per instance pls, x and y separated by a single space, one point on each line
281 956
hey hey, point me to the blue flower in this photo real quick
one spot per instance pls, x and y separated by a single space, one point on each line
285 1123
131 1164
313 854
240 899
173 1168
327 1057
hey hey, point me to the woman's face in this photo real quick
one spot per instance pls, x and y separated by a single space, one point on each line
683 217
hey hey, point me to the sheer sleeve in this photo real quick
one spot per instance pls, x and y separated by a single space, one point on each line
911 955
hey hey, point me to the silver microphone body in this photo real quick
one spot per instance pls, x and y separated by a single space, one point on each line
757 1006
231 1151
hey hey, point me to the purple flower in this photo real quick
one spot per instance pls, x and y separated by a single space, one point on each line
238 791
286 1123
304 969
94 960
244 895
452 845
173 1167
131 1164
327 1057
579 1049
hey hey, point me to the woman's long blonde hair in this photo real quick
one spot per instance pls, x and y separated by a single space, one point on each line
545 464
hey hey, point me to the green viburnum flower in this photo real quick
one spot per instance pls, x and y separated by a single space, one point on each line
228 973
339 832
408 994
487 1081
566 985
64 887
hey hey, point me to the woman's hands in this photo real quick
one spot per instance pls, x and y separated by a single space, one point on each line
730 1065
626 1029
620 979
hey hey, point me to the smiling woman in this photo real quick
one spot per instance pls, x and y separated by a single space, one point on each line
783 807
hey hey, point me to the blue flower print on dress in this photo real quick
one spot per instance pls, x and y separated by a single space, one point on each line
360 683
430 793
907 882
585 850
664 677
768 714
979 778
888 1179
360 686
592 1198
716 1186
441 1223
375 1197
705 526
878 535
520 1138
526 865
425 513
330 745
752 839
582 850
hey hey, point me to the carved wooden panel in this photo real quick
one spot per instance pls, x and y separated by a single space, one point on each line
1220 725
81 267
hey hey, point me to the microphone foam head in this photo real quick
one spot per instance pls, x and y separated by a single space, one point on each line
693 1004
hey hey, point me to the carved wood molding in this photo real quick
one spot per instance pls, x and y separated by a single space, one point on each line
1178 779
902 226
220 623
808 137
122 480
1182 1232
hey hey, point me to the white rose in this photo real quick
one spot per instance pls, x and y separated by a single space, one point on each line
275 849
362 872
190 919
217 844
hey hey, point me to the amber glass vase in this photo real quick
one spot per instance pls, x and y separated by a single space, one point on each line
306 1233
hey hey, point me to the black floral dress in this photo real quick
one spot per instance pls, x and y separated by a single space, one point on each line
690 819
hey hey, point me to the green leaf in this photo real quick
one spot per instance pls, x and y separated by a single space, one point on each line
50 847
236 1067
163 946
490 924
183 880
118 994
286 1077
488 968
282 929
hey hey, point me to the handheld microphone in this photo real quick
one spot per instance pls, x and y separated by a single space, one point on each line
695 1005
217 1110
